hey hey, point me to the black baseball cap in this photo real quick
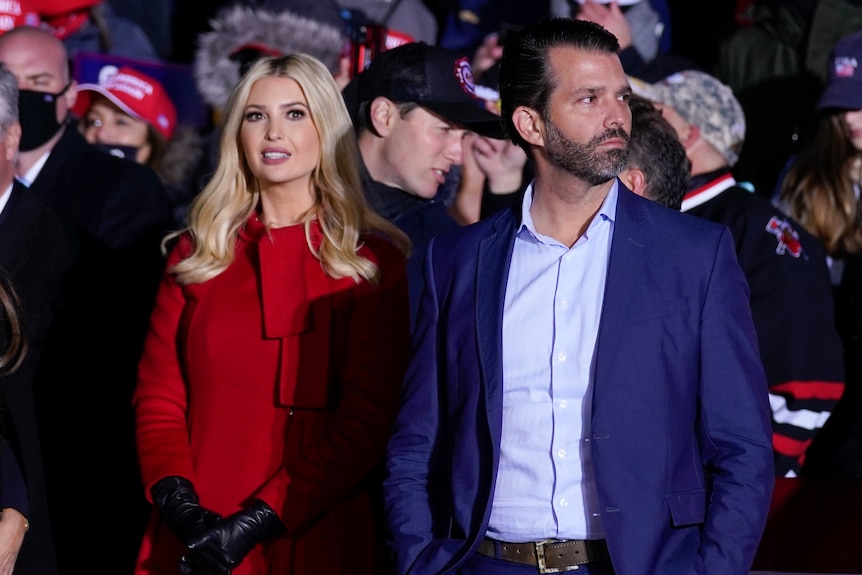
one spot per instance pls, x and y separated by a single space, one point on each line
434 77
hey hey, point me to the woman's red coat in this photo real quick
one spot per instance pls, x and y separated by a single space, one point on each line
274 381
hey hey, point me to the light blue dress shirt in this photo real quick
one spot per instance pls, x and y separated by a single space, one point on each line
554 295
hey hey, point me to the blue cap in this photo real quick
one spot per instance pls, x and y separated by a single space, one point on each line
844 84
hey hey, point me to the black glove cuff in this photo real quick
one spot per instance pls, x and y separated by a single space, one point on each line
268 523
173 487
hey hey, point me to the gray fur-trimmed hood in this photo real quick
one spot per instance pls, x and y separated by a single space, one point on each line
283 32
183 156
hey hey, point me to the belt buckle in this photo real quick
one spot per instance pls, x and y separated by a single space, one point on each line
540 557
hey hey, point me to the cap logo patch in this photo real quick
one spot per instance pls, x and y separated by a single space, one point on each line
395 39
464 75
845 66
788 239
12 7
134 87
10 12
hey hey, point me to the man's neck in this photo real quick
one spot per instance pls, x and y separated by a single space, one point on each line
706 161
28 159
370 152
564 209
5 194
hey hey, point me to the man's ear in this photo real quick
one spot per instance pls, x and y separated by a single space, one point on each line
691 135
13 138
382 113
635 180
71 94
529 124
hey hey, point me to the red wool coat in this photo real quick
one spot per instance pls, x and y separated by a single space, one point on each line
277 382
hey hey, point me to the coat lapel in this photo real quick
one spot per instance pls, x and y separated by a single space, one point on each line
629 250
492 272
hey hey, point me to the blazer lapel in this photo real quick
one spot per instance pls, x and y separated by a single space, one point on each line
629 250
492 272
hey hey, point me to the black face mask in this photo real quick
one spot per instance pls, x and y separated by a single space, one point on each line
37 112
126 152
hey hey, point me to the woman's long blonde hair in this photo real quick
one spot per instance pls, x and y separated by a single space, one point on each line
13 344
818 190
232 194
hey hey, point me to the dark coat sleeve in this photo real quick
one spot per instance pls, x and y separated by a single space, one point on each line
13 489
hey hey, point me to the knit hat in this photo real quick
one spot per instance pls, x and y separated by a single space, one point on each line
135 93
704 101
434 77
844 84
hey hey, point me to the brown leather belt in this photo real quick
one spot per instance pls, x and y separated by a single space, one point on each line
551 556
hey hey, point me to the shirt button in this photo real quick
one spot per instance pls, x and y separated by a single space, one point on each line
564 502
561 453
562 356
564 404
564 305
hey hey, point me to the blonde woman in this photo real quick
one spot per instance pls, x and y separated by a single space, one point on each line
13 345
271 373
13 490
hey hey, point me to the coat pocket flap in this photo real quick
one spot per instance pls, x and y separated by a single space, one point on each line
688 508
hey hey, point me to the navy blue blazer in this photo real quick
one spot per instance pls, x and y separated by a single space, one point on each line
680 436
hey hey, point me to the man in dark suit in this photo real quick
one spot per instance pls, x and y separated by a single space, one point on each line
585 388
40 253
118 202
95 339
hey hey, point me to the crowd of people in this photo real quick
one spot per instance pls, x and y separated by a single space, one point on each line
459 287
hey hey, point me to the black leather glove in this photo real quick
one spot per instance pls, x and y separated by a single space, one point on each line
179 506
226 544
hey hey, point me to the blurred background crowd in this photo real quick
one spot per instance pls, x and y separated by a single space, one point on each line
774 87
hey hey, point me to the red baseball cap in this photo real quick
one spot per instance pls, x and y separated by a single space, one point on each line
59 7
135 93
17 13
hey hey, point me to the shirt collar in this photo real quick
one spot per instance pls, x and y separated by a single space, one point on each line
607 211
4 197
28 178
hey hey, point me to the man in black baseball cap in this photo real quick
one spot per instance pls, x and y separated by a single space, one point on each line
415 109
436 78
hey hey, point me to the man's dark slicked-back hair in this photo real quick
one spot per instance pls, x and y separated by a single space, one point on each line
525 78
655 149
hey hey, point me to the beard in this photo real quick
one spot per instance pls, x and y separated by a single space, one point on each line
583 160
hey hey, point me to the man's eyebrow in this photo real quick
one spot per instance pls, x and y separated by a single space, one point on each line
586 91
39 76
